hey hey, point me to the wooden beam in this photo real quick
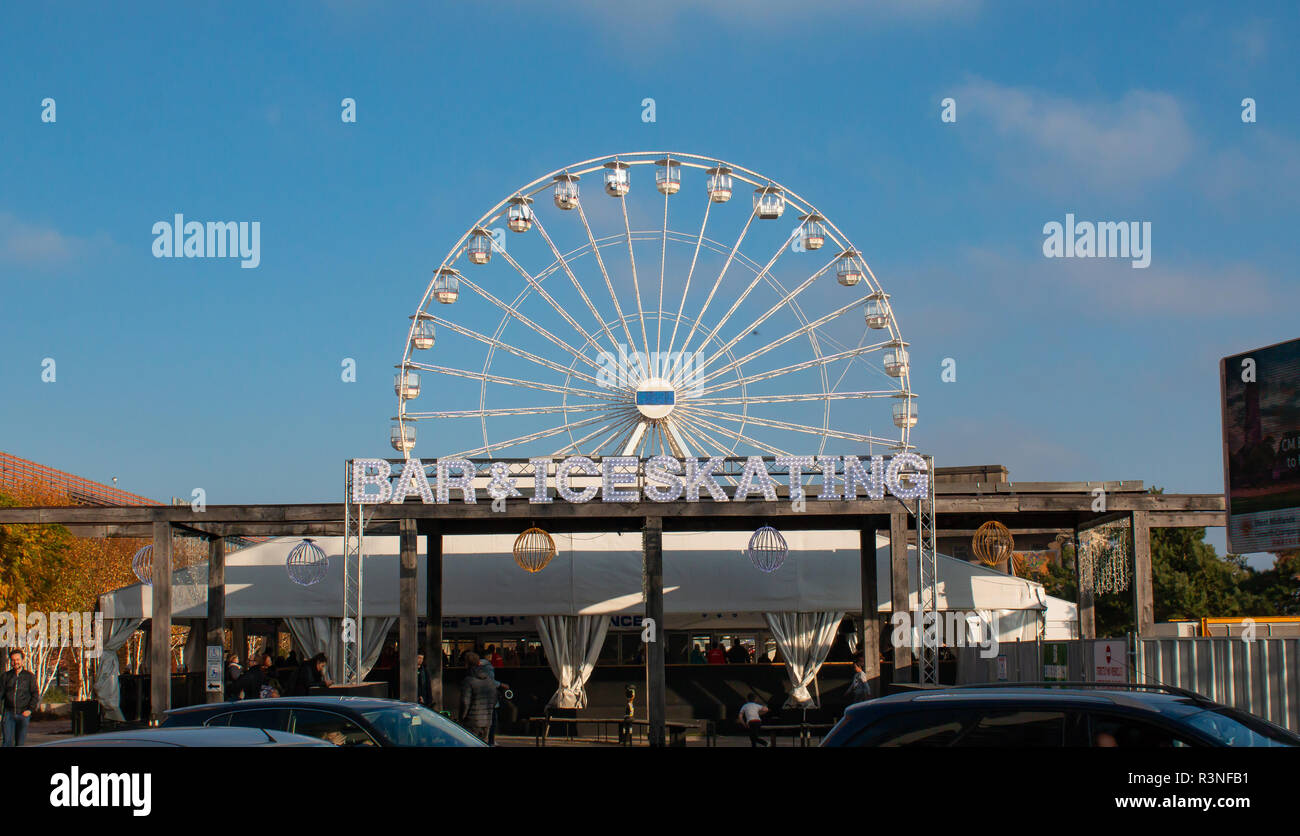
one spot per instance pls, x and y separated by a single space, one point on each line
433 615
899 591
869 628
160 634
652 581
1143 598
408 607
216 623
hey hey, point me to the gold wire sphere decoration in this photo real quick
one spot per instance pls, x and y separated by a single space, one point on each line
533 550
992 543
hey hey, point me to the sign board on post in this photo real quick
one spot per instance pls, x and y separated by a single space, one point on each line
1261 448
1056 662
214 668
1002 668
1110 660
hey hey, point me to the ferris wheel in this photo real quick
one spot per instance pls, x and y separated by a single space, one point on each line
597 312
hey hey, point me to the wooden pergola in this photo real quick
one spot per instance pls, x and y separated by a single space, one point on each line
960 508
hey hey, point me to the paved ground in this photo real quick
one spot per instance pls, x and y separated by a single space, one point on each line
44 731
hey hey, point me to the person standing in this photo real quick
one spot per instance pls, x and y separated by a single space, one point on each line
311 674
751 717
860 687
20 698
233 672
737 655
423 683
478 694
716 655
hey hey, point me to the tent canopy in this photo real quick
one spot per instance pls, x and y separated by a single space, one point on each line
591 574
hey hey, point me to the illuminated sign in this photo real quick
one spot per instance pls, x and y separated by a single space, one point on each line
632 479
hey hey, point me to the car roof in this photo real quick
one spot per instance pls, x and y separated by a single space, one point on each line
355 703
193 736
1154 702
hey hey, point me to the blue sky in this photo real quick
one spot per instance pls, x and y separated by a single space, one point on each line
181 373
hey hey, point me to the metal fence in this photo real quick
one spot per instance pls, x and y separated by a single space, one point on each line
1260 676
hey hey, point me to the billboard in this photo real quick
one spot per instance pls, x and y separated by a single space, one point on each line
1261 447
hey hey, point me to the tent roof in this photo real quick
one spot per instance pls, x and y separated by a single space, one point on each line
704 572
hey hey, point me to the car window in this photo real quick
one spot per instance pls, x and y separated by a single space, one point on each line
330 727
1015 729
1118 731
252 718
1236 728
415 725
916 729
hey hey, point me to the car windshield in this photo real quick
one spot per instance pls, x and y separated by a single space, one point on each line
415 725
1237 728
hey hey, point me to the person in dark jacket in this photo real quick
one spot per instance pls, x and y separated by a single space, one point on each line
20 698
478 696
233 672
311 674
423 682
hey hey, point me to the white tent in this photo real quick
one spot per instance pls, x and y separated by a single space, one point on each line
706 575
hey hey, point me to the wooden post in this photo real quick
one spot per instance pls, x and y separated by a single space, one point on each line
433 615
1087 617
652 583
407 626
1143 598
216 609
160 635
900 591
869 628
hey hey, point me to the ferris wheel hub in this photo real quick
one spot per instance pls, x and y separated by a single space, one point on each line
655 398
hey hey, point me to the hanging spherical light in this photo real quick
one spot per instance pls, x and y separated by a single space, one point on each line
992 543
306 563
142 564
533 550
767 549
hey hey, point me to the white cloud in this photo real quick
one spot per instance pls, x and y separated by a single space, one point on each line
1057 141
39 245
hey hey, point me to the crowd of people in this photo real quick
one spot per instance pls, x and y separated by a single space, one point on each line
260 679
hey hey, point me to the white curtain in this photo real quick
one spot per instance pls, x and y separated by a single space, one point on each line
116 633
325 635
572 644
804 638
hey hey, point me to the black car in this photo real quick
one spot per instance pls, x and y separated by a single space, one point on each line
1047 715
344 721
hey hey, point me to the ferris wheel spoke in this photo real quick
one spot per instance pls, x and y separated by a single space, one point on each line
816 362
780 341
619 419
726 265
636 440
514 381
513 312
536 285
518 352
663 265
675 442
699 240
793 427
564 264
697 418
519 410
807 396
636 284
785 299
609 284
758 277
525 439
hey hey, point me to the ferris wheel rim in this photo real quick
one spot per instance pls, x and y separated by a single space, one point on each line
639 158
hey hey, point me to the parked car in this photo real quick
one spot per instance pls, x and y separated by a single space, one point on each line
186 737
1052 715
343 721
